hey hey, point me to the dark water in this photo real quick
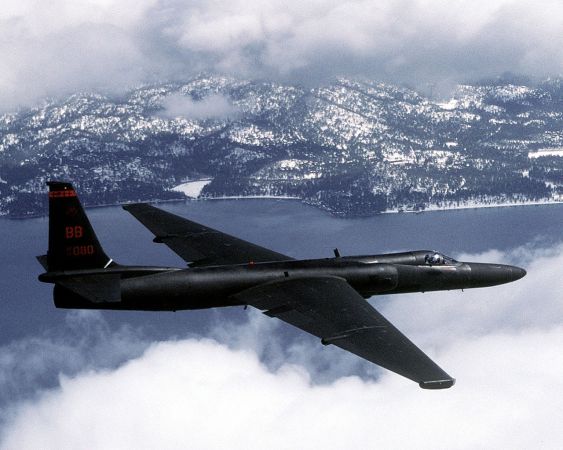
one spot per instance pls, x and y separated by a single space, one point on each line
285 226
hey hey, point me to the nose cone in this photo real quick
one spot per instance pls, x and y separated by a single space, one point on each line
517 273
493 274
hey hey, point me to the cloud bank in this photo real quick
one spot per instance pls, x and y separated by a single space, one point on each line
214 106
86 342
109 45
249 388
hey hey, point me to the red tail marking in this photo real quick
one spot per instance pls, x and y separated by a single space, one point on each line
74 232
62 194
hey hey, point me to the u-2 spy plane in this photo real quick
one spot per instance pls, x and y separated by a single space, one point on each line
324 297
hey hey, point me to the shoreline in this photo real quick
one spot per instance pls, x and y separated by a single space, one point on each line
431 208
247 197
476 205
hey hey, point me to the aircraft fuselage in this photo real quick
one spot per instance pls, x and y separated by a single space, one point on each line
170 289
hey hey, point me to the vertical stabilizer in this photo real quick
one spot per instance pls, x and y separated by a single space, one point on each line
73 245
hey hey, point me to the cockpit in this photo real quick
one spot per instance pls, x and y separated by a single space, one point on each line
438 259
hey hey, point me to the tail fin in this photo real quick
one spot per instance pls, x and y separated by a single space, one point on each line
73 245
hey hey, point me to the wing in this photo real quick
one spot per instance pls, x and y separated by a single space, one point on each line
197 244
329 308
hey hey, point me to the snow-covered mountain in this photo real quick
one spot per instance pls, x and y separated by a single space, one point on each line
352 147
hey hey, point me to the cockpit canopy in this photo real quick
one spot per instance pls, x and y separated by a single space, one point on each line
438 259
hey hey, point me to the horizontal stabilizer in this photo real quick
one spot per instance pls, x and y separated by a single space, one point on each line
44 261
95 288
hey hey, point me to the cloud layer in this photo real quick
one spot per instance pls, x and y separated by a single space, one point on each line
67 46
86 342
251 387
200 394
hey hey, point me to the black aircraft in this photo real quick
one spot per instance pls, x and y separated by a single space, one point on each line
324 297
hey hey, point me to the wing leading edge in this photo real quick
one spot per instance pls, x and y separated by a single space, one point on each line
329 308
197 244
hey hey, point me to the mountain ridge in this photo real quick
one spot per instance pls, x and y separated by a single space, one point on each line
352 147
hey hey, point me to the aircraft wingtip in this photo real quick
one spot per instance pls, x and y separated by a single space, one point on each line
437 384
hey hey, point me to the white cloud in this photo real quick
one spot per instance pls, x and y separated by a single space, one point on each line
214 106
84 342
200 394
64 46
249 388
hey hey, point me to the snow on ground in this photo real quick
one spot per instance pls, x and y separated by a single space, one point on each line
475 204
192 189
253 197
449 105
546 152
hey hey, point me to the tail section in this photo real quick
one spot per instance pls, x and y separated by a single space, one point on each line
73 245
83 275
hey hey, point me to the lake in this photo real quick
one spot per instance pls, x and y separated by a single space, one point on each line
286 226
